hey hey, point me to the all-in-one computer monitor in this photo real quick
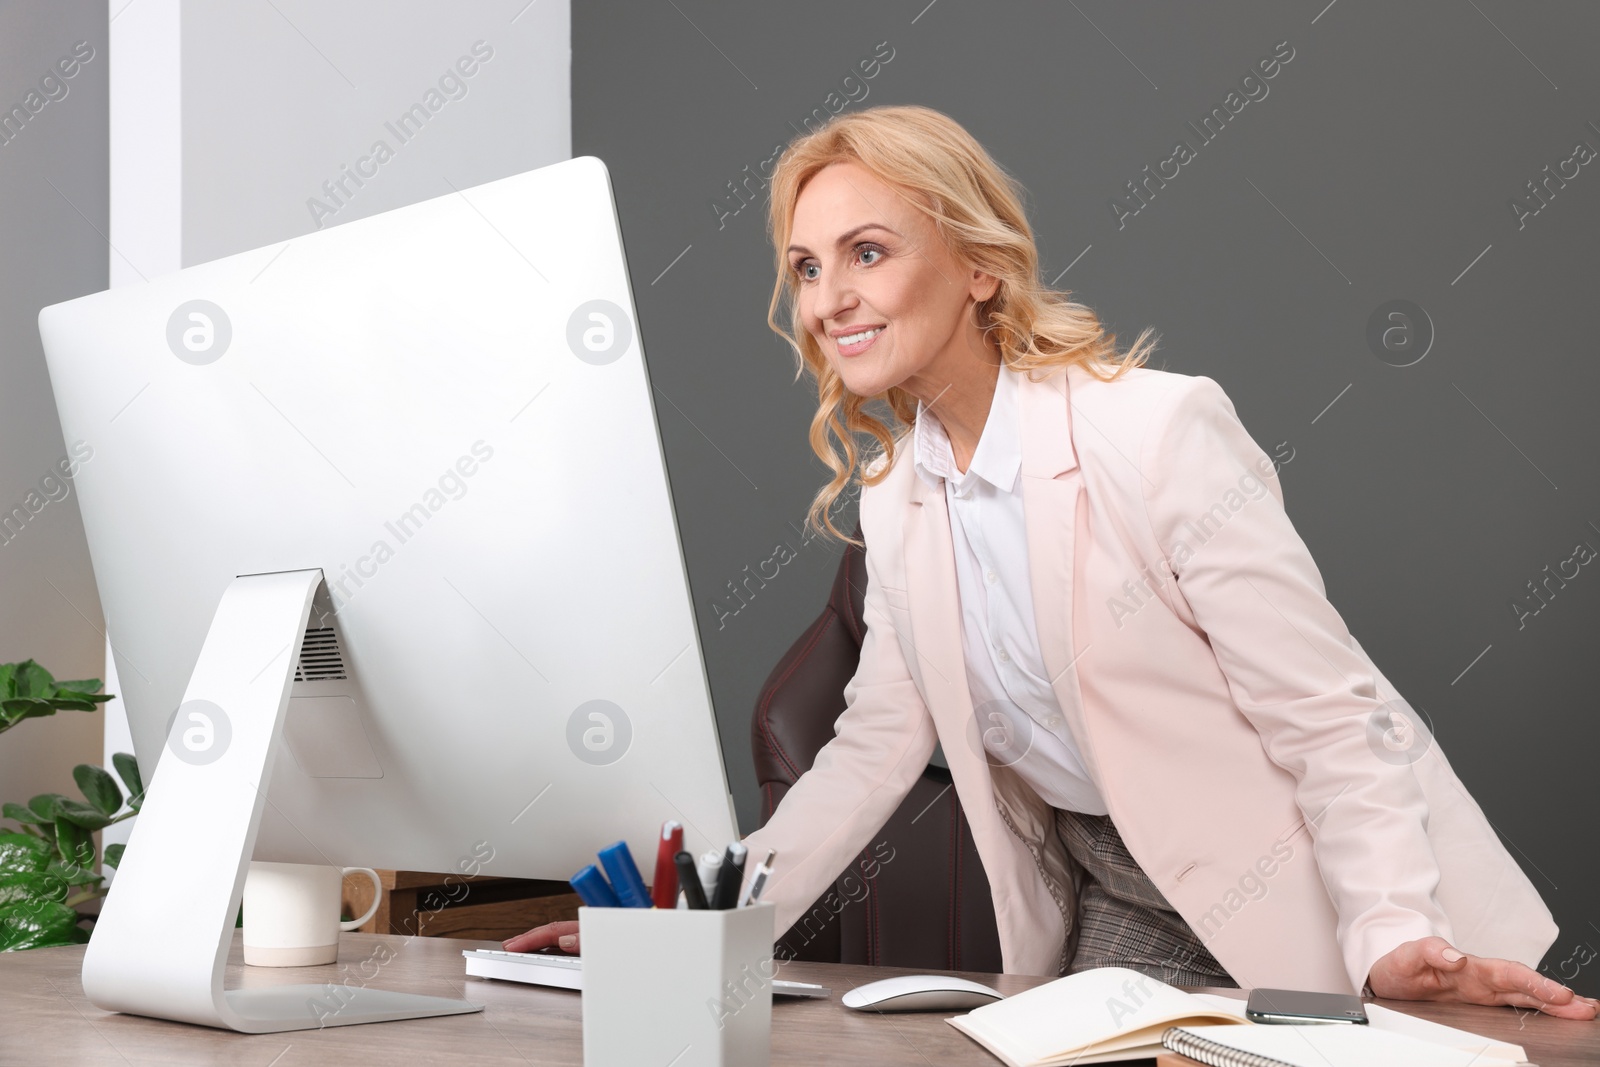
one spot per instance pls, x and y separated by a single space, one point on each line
382 532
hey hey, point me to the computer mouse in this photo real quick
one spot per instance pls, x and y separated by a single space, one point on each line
920 992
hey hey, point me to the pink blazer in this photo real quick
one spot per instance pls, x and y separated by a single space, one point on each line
1231 721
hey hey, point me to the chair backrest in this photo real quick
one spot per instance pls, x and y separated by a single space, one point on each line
917 895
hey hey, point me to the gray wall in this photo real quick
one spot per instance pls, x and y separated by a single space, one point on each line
282 102
1379 166
52 218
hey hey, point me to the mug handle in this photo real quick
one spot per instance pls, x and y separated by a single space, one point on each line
377 897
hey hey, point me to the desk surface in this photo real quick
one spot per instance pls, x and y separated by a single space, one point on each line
44 1019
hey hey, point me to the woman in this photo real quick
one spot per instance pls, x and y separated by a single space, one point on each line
1081 580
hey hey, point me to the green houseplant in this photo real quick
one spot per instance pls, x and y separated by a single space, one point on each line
47 866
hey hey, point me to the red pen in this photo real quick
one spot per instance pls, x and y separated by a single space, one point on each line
664 890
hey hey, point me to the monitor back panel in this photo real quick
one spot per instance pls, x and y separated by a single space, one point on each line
446 409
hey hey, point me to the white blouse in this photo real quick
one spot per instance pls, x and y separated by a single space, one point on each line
1019 717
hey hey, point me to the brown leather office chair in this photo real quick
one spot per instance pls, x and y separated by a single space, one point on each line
917 895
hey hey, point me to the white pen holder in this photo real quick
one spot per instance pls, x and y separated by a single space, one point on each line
680 986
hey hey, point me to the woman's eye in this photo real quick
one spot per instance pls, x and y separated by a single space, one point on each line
804 268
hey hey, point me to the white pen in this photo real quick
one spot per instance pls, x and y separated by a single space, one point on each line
758 880
708 867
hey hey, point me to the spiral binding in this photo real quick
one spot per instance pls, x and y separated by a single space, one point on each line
1213 1053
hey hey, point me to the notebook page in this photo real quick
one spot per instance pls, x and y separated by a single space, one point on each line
1333 1045
1426 1030
1106 1009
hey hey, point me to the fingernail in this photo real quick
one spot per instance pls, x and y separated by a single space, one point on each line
1451 955
567 940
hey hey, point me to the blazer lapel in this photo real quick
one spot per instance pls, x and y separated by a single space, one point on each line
1051 484
934 603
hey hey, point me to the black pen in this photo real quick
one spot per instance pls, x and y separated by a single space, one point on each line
730 877
689 882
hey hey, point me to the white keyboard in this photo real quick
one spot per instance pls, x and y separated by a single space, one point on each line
566 972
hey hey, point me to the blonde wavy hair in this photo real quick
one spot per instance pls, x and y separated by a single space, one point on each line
977 209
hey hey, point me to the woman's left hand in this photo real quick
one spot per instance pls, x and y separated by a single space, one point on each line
1431 969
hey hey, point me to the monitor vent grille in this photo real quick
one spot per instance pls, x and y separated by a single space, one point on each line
321 659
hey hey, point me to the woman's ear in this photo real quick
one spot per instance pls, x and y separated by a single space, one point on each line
982 286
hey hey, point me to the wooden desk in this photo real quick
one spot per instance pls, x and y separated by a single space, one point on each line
44 1019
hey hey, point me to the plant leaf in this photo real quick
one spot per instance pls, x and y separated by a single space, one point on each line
85 816
128 770
99 787
73 875
63 704
33 680
39 924
113 856
28 691
32 885
20 852
74 843
20 813
44 805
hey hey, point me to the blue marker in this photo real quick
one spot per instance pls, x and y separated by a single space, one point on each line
625 877
591 885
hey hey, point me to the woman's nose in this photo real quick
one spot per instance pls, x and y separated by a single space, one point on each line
835 295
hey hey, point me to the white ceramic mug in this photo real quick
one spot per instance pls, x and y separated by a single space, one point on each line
291 913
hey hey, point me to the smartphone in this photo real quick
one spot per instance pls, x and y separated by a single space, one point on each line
1297 1006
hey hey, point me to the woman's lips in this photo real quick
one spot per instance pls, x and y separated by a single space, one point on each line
861 346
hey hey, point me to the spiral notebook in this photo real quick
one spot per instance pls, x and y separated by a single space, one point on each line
1096 1016
1111 1013
1323 1045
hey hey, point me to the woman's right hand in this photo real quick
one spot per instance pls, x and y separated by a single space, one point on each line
562 936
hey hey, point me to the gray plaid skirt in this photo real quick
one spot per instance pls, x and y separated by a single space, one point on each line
1123 920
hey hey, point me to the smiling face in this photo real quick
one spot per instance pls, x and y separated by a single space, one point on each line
885 299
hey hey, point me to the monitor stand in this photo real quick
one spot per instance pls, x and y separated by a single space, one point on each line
160 947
